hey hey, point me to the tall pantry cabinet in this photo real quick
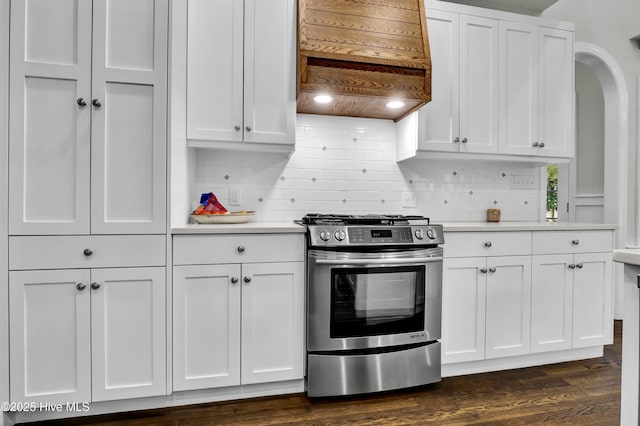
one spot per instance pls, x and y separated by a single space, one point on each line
87 175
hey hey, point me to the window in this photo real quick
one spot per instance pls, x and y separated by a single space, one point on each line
552 193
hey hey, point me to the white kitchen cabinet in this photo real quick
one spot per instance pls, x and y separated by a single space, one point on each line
463 113
50 333
88 123
502 88
464 296
551 302
519 298
272 321
556 93
536 90
87 334
592 300
238 310
518 87
508 325
486 295
128 333
486 308
206 325
241 72
572 290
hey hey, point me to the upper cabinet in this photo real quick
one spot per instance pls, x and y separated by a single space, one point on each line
536 90
463 113
503 85
241 72
88 122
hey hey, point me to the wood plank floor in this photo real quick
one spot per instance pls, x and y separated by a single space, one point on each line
573 393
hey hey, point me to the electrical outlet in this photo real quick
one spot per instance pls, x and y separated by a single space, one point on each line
409 199
234 196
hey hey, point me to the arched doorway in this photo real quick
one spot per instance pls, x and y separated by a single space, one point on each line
616 139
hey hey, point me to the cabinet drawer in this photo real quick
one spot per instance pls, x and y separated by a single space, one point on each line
237 248
549 242
469 244
68 252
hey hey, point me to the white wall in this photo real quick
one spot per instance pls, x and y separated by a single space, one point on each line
590 148
590 132
348 165
609 25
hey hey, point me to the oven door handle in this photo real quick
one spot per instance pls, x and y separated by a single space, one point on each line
346 262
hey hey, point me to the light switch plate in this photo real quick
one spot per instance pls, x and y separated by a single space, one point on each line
523 182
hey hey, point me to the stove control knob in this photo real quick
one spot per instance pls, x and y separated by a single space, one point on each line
419 234
325 235
431 233
340 235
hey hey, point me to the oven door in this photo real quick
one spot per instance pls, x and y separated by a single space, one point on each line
364 300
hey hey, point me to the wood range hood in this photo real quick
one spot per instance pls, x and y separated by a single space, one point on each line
363 54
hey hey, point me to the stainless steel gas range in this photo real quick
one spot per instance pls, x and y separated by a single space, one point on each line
374 302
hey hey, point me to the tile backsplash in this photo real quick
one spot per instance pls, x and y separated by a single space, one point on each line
347 165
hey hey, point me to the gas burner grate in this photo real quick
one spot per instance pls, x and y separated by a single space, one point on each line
370 219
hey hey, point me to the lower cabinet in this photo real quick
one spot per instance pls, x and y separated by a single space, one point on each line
238 323
508 325
206 326
554 293
81 335
571 301
464 297
486 307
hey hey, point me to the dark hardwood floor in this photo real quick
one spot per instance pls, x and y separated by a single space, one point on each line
573 393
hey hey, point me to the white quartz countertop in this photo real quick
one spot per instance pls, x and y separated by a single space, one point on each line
522 226
628 256
292 227
242 228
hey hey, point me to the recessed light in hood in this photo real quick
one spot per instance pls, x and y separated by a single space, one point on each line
394 104
322 99
365 54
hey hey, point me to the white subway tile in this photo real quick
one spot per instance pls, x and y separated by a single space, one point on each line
354 160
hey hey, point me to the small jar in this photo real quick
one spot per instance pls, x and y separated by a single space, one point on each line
493 215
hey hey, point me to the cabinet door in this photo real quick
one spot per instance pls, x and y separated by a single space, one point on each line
272 322
214 70
592 300
50 347
508 306
555 92
478 84
463 309
206 326
439 120
128 138
518 87
551 302
269 71
128 333
50 68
